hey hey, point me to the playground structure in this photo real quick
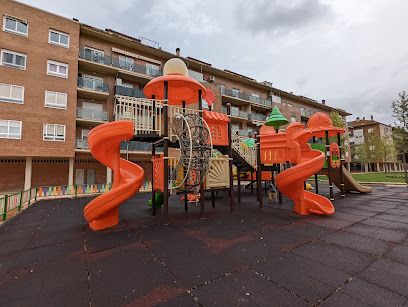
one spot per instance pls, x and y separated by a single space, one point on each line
164 120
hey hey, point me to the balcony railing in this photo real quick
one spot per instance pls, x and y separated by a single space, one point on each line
256 116
260 101
242 132
137 146
92 114
115 62
81 143
93 84
238 113
276 99
240 95
127 91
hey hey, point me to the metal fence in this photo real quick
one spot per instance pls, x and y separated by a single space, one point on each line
27 197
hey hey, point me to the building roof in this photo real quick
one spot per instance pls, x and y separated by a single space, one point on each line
201 66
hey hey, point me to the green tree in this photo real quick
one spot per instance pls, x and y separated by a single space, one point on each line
400 130
338 121
362 155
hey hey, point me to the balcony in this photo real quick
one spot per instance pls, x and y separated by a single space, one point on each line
127 91
92 88
137 146
236 94
81 143
242 132
238 113
257 117
92 116
108 64
263 102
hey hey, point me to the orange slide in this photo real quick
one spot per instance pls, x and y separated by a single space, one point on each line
290 183
104 143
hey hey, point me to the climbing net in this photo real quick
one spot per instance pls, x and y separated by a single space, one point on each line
195 151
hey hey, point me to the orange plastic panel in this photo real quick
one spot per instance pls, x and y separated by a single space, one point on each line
273 148
218 124
334 155
158 170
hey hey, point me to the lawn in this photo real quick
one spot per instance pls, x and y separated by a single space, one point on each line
374 177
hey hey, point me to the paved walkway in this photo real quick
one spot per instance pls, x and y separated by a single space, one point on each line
256 257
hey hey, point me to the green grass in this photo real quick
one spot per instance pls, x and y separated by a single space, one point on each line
373 177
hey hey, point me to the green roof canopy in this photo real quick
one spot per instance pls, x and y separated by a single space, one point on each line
276 119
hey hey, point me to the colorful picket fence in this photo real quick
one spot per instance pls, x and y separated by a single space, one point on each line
17 200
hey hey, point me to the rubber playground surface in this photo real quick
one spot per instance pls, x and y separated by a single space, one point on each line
255 257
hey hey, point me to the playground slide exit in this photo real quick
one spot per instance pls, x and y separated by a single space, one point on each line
104 143
290 183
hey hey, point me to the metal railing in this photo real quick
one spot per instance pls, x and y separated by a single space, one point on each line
256 116
276 99
97 57
92 114
265 102
81 143
239 113
147 114
28 197
127 91
236 94
246 152
93 84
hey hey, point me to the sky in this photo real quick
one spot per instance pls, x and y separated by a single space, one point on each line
352 53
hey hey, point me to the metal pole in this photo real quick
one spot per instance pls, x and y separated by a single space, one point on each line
252 182
278 166
259 167
239 185
166 155
329 165
153 192
202 191
184 170
341 167
5 207
315 175
231 190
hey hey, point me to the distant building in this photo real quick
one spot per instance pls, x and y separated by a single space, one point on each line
358 131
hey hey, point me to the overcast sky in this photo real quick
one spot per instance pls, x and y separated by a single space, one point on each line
353 53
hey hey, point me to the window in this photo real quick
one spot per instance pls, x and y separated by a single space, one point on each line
370 130
84 133
11 93
255 95
302 111
59 39
222 87
10 129
15 26
152 70
293 119
54 132
94 55
235 92
125 62
13 59
57 69
55 100
92 105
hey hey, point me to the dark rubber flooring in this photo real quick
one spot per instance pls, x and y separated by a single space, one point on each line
255 257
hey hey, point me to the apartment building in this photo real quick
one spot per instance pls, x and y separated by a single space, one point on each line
60 78
358 132
39 65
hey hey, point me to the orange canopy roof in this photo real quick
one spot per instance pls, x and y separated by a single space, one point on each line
180 88
319 123
215 116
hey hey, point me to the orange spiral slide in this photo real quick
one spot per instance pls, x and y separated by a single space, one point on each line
104 143
290 183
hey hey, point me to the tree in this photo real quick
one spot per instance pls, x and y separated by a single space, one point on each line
400 130
362 154
338 121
